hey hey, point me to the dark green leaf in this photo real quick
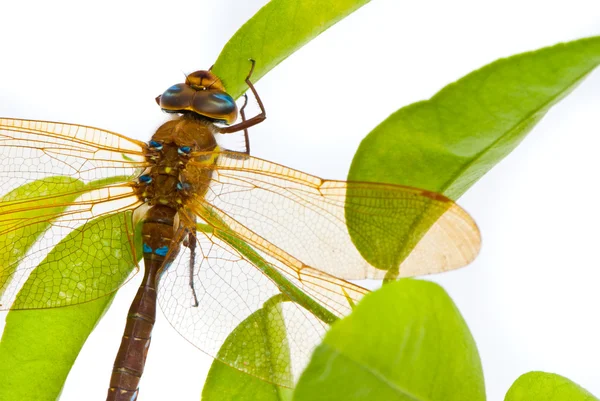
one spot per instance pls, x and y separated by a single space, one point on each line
541 386
404 342
276 31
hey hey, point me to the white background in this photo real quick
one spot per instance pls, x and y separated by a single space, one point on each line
530 299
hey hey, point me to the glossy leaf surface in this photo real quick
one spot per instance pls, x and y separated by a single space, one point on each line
542 386
404 342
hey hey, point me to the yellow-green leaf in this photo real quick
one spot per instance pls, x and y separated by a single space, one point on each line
276 31
542 386
269 352
404 342
39 346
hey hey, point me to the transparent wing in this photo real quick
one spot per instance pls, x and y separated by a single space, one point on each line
266 231
219 295
351 230
38 149
66 205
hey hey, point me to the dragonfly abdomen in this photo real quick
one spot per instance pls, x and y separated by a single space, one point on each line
157 237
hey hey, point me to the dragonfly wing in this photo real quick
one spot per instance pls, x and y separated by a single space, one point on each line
64 195
351 230
232 282
32 150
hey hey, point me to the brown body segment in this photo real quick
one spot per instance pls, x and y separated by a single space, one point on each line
166 186
131 358
161 240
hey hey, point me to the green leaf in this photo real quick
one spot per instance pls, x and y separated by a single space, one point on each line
254 371
39 347
404 342
541 386
276 31
27 212
265 328
391 223
30 201
445 144
89 263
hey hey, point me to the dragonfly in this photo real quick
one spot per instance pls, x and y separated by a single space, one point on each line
224 236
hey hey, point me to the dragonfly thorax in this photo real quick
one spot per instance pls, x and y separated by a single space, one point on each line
170 181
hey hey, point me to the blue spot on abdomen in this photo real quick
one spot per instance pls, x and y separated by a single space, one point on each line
147 249
162 251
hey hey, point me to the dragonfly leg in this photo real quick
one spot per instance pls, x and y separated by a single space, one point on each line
192 246
245 124
243 114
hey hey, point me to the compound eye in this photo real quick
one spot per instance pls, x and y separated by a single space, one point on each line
215 104
177 97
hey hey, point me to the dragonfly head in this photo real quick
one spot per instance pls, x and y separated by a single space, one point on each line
204 80
202 93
